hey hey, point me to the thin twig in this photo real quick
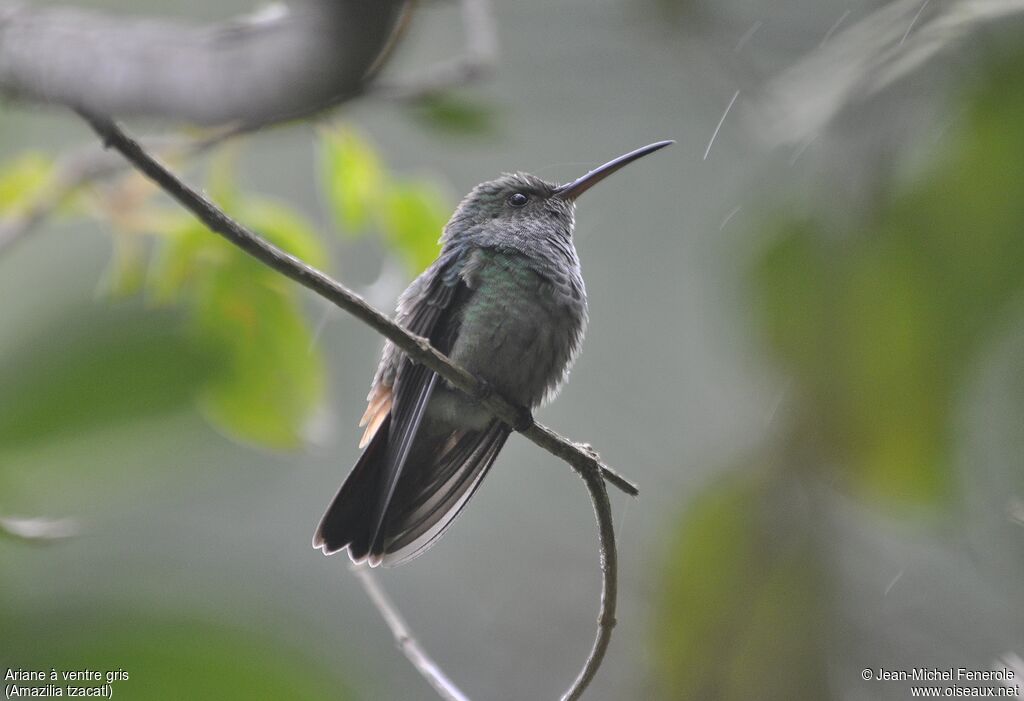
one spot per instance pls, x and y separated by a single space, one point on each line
70 174
480 57
404 639
84 167
582 458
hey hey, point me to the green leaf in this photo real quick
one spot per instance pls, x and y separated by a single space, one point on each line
284 227
272 378
414 217
191 250
126 274
249 317
352 177
190 253
22 178
740 608
222 179
881 324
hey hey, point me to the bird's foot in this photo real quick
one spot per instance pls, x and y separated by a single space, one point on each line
524 421
484 390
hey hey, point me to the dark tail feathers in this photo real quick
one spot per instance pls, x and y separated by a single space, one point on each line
348 520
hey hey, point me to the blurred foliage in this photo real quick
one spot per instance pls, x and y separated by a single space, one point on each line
879 324
741 603
239 343
407 215
168 659
117 367
22 178
246 315
189 321
352 176
451 113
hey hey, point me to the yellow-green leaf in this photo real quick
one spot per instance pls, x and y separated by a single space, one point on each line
740 608
272 379
22 178
353 178
284 227
414 217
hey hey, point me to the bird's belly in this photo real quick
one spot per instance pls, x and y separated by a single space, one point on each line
519 336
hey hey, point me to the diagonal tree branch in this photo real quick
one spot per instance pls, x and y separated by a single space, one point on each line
416 347
582 458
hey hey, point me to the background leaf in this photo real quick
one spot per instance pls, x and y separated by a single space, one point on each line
95 370
880 324
21 178
352 177
740 607
415 214
273 376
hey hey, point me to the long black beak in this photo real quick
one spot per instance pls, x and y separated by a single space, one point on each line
570 191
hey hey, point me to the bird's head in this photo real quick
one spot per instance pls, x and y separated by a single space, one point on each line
521 211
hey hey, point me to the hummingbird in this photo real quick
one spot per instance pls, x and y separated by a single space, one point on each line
505 301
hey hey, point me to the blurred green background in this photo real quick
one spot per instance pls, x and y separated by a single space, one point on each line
808 356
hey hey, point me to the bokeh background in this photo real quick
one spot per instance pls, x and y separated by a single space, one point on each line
806 346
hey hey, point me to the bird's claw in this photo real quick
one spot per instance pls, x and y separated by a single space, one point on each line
484 390
524 421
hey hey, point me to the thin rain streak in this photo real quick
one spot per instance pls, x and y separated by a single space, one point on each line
720 122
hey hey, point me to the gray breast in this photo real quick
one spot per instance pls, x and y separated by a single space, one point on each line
521 327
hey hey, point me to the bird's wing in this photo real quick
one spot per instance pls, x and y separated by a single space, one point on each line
396 501
401 391
419 311
427 502
423 311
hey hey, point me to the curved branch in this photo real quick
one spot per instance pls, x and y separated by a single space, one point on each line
609 583
289 62
582 458
436 677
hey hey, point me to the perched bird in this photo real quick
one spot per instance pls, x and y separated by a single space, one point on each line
504 300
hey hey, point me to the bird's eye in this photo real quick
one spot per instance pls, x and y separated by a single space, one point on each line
518 199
